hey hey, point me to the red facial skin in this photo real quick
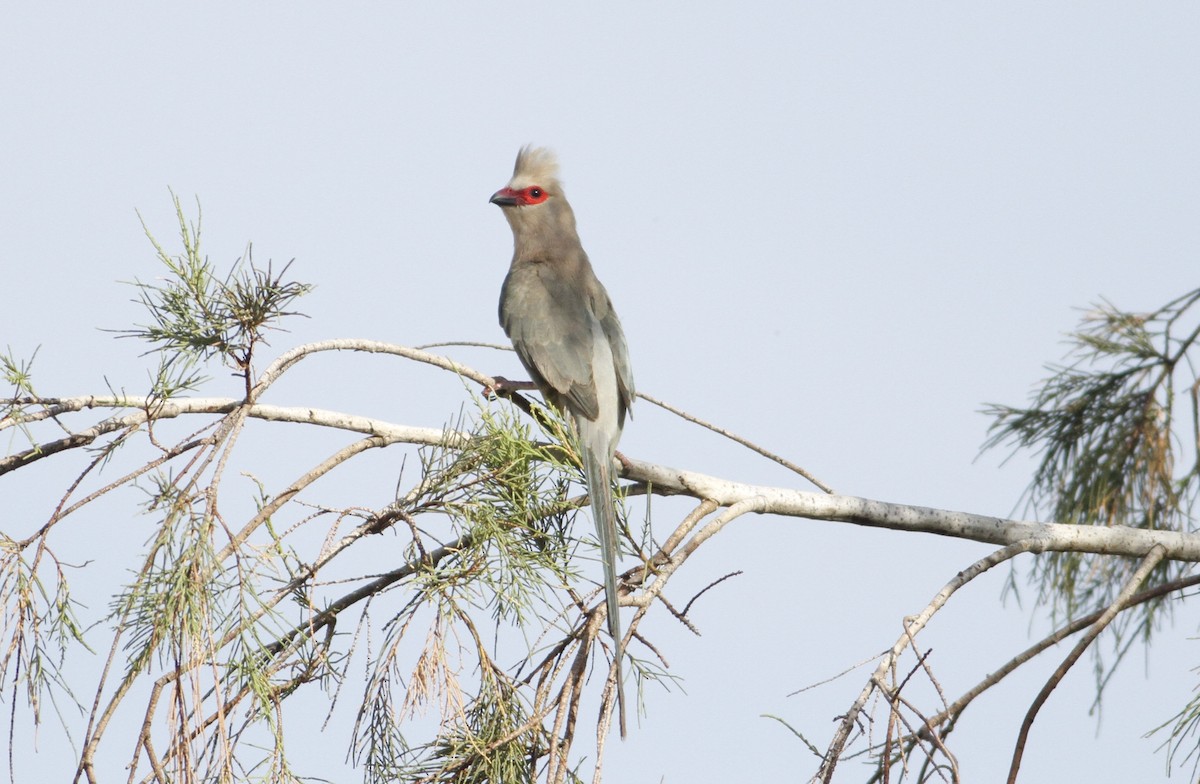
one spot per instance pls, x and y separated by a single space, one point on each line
507 197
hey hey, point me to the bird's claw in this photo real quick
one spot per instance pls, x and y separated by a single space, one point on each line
503 387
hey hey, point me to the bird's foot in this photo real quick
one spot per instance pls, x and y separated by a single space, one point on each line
503 386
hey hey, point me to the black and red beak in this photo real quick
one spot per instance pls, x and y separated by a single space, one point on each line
505 197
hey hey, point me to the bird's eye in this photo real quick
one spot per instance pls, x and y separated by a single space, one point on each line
535 194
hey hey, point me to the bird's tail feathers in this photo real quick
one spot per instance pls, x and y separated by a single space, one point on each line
597 468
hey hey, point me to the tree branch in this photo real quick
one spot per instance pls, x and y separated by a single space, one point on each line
665 480
1042 537
1151 560
912 625
725 499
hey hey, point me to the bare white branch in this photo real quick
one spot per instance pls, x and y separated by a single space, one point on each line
1112 540
665 480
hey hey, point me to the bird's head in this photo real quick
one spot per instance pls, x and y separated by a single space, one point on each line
533 199
534 180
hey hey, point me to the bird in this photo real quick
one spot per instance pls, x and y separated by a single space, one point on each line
567 335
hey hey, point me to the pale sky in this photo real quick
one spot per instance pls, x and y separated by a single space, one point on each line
836 229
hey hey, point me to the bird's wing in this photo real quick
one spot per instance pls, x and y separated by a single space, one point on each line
553 337
620 353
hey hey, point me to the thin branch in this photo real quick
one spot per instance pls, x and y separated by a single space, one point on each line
950 715
739 439
998 674
290 358
1151 560
466 343
912 625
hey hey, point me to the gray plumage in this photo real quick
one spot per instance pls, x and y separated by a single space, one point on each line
567 335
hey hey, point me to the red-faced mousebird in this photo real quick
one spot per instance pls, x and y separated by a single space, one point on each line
565 331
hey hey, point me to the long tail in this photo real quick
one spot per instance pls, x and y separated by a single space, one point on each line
597 465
